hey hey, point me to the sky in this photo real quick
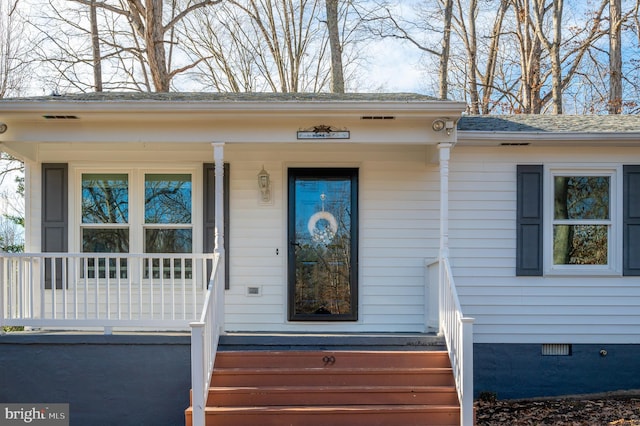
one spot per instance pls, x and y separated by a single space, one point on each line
396 67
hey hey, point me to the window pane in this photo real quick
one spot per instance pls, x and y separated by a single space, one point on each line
167 198
89 265
96 240
167 240
580 244
105 198
169 267
581 197
104 241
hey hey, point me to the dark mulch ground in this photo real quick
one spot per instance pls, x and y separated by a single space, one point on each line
615 410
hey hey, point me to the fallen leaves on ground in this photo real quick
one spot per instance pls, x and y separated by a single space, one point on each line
560 412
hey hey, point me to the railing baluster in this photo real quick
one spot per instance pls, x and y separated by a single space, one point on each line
130 288
162 283
64 287
54 286
151 287
85 265
107 276
74 283
173 287
183 290
3 301
30 285
42 287
96 297
140 280
118 279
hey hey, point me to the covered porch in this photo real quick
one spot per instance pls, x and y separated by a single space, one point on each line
400 153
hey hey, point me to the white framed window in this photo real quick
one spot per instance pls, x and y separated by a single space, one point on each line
105 212
136 210
583 220
104 218
168 215
168 226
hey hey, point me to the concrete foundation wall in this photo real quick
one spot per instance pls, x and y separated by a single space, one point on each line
521 371
135 379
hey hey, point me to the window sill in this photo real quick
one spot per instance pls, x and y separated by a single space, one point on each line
583 272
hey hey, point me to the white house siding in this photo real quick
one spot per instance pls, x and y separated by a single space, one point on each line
510 309
398 229
398 222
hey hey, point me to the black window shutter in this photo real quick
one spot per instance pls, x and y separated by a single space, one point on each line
54 216
529 220
209 214
631 220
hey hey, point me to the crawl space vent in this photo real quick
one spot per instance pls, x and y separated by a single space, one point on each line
253 291
378 117
558 349
60 117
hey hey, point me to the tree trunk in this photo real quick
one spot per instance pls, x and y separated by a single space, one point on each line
556 62
615 57
446 49
472 52
95 44
154 41
552 46
492 57
337 76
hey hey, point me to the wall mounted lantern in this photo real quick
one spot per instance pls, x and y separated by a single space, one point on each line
264 184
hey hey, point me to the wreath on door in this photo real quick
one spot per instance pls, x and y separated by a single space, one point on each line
322 233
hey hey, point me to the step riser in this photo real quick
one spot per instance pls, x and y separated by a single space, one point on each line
298 359
330 398
389 418
326 378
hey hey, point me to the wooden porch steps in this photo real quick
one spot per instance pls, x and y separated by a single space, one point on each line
332 387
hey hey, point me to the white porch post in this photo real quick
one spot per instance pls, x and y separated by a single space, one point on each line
445 154
218 158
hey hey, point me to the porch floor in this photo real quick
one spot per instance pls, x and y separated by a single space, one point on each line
238 341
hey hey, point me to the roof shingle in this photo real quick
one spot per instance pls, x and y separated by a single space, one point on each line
551 123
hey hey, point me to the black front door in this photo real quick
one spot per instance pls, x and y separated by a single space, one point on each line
323 244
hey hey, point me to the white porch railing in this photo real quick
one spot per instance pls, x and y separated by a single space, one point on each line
458 333
102 290
205 334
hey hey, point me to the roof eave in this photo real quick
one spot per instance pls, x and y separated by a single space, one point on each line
15 108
